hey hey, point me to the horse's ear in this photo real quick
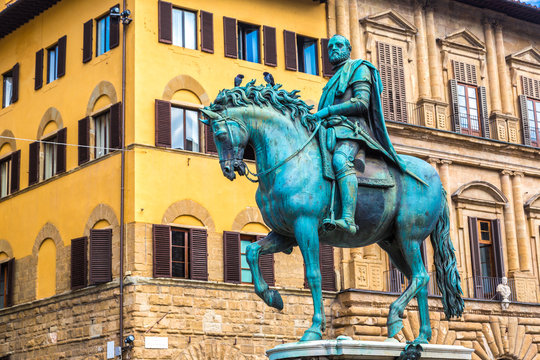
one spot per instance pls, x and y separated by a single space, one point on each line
204 121
210 115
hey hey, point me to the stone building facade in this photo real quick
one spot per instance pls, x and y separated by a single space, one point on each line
458 78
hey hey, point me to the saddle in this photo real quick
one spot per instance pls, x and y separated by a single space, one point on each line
371 169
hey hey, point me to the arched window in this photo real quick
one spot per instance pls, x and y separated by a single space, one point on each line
46 269
10 160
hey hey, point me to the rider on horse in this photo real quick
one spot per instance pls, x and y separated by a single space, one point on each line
353 94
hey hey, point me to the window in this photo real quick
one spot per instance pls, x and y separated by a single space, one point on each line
180 253
7 89
103 30
185 129
248 42
49 157
91 266
533 115
307 55
184 28
102 134
5 176
3 285
485 241
52 63
245 272
393 78
468 109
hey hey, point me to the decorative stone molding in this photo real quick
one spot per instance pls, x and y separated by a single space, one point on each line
185 82
526 58
104 88
246 216
480 193
463 39
5 247
533 204
102 212
188 207
7 137
49 231
211 349
52 114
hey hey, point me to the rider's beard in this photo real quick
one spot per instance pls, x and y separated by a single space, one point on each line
336 59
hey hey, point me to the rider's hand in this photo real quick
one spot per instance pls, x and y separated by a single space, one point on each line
322 114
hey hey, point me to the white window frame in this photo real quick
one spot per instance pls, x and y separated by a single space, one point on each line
180 32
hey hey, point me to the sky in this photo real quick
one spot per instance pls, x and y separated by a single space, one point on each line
532 2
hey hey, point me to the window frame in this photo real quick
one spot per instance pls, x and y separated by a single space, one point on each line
251 239
242 40
535 120
5 102
187 257
486 243
185 108
52 49
94 120
52 142
107 34
6 159
5 280
183 27
469 130
301 40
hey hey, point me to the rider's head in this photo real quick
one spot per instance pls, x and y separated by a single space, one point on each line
339 49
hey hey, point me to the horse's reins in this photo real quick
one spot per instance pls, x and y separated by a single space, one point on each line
267 171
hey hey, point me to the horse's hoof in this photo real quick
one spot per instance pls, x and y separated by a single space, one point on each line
311 335
421 340
273 298
394 328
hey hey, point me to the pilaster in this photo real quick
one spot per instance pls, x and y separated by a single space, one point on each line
509 221
331 17
524 246
433 114
493 76
505 88
422 66
354 24
435 70
342 18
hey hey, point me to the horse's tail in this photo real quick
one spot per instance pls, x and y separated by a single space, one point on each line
448 279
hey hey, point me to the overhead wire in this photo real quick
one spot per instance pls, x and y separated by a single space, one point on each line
66 144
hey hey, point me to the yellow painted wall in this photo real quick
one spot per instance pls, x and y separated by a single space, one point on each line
46 269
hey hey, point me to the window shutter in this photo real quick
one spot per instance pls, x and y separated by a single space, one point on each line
100 256
116 126
15 171
61 151
79 262
15 85
163 123
33 164
326 259
211 147
207 32
87 41
114 30
38 79
475 257
62 45
231 257
392 72
229 36
531 87
266 263
455 106
524 120
198 268
162 250
498 248
326 65
270 52
165 22
84 141
484 115
10 281
465 73
289 42
386 72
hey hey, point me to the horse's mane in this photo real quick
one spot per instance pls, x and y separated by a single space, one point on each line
260 95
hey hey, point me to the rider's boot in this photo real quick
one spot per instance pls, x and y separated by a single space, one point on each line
348 190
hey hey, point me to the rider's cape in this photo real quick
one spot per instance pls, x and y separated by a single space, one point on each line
337 86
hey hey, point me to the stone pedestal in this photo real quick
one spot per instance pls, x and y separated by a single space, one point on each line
356 350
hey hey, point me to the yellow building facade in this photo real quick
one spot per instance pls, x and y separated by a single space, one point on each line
110 190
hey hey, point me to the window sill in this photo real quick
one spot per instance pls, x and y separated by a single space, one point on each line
313 78
250 65
185 51
51 85
6 110
102 58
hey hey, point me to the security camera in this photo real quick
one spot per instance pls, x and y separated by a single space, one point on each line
129 340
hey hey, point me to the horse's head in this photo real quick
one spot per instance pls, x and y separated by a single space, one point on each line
231 138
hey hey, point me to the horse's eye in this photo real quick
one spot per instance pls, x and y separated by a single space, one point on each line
221 135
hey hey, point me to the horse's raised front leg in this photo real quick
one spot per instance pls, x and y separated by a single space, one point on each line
270 244
307 237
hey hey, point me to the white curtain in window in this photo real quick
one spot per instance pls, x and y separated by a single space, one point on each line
190 30
177 128
8 90
50 159
178 27
192 131
4 178
102 134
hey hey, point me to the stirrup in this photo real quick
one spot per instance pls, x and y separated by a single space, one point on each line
347 226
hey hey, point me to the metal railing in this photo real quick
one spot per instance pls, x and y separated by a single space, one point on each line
402 111
396 282
485 288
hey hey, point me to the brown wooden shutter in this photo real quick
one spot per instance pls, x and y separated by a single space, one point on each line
231 257
465 73
455 106
207 32
198 268
62 47
15 171
15 84
79 262
531 87
497 247
475 257
38 79
116 126
100 256
84 140
327 69
61 137
392 72
87 40
270 52
165 22
524 120
162 250
210 143
289 42
33 164
229 36
484 115
163 123
266 264
114 30
10 286
326 259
